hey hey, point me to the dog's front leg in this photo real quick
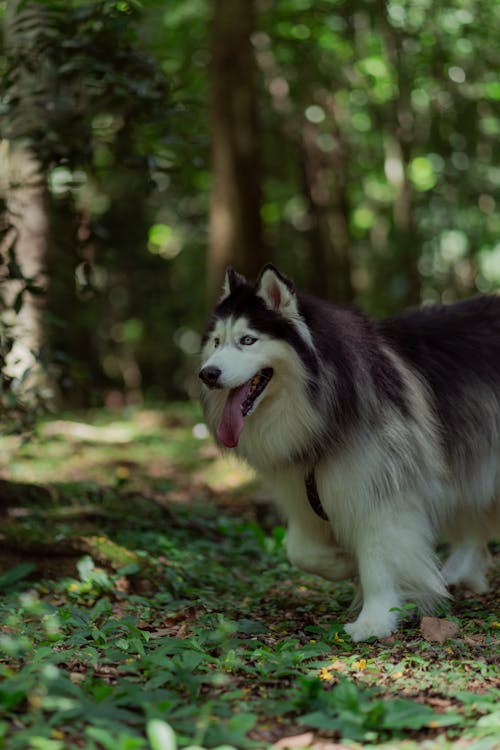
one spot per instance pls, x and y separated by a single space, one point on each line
394 550
311 543
311 547
381 599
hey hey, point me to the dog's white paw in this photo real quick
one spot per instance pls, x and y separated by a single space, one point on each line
467 566
370 627
478 584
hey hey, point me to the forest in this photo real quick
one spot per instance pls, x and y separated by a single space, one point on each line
145 145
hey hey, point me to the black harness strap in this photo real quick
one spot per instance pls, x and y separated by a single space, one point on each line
313 496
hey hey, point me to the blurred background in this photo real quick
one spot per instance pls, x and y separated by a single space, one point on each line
146 145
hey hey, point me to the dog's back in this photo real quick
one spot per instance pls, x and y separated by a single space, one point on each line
455 349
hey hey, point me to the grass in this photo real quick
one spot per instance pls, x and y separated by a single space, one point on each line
147 603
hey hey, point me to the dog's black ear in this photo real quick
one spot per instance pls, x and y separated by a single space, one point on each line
277 291
232 281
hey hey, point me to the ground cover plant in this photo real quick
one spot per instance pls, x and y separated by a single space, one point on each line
146 604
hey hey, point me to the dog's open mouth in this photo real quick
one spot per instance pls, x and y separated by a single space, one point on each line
240 402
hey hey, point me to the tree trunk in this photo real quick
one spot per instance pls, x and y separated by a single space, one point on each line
235 223
324 185
26 203
322 180
398 147
26 206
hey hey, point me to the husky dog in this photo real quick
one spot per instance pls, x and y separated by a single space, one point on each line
377 438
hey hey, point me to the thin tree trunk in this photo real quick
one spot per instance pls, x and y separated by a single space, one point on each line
398 157
324 185
27 211
26 201
235 223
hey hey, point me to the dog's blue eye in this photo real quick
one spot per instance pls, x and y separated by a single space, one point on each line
247 340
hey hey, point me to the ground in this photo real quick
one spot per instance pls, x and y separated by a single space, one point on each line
147 603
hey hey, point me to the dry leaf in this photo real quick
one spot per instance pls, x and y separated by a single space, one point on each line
307 740
295 741
438 631
77 677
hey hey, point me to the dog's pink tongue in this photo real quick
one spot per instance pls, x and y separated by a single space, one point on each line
231 424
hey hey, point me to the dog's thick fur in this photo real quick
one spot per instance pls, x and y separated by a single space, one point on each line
398 419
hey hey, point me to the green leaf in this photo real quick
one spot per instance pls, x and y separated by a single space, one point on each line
11 698
404 714
85 567
251 627
102 736
345 696
233 732
242 723
16 574
129 570
490 724
319 720
44 743
161 736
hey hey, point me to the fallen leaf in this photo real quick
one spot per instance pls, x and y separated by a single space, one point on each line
337 666
474 640
437 630
295 741
440 703
77 677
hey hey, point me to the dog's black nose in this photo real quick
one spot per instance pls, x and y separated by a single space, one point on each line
210 376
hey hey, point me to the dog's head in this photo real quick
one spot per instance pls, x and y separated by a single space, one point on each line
249 337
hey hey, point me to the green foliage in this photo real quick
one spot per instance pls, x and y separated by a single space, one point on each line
354 714
115 667
93 105
101 74
378 130
399 95
161 735
211 639
12 576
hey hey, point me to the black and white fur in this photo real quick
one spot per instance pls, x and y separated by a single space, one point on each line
399 419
